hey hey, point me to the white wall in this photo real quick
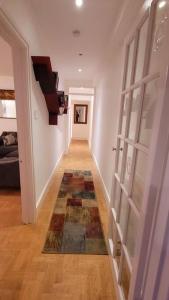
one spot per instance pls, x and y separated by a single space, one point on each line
48 141
81 131
107 99
105 117
7 125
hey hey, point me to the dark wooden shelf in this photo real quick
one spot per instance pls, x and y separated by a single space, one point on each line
48 81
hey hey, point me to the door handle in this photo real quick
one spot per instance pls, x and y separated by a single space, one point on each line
114 149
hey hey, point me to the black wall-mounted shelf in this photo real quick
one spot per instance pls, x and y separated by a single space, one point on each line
48 81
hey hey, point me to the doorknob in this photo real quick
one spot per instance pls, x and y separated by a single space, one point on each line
114 149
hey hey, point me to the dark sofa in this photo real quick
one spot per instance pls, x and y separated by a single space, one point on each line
9 163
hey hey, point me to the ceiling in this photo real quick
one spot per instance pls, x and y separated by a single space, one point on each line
56 19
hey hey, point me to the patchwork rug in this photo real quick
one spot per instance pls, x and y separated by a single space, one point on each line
75 225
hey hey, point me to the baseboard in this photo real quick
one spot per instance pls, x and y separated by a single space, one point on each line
106 194
46 187
118 291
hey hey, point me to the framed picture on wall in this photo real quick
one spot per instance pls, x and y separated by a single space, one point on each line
80 113
7 104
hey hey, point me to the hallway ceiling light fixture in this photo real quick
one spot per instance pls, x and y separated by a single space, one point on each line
79 3
162 4
79 70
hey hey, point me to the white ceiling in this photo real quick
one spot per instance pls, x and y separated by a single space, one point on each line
56 19
6 66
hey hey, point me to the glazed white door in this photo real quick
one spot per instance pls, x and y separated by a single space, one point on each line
143 83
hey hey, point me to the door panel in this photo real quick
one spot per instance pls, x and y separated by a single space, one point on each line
139 100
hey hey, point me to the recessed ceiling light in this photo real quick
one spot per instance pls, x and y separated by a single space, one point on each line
162 4
79 3
79 70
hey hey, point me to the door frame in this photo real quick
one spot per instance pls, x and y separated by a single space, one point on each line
22 82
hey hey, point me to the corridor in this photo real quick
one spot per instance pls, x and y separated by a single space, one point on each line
27 274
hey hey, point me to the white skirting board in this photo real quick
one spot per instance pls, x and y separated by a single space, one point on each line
106 194
109 245
46 187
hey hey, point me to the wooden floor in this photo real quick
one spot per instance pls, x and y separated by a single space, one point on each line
26 273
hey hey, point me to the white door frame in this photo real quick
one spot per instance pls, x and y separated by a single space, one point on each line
22 81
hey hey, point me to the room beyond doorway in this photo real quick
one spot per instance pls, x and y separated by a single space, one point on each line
81 113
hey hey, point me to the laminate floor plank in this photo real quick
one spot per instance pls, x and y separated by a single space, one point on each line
26 273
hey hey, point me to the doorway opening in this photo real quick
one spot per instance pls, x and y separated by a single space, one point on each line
81 113
10 196
22 83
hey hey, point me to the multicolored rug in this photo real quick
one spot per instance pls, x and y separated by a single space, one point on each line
75 225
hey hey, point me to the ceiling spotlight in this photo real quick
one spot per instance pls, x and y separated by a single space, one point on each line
162 4
79 3
79 70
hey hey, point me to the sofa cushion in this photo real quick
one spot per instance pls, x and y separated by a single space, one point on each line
1 141
5 135
12 154
4 150
9 139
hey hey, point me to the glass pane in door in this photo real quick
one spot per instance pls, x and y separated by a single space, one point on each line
141 51
131 233
129 160
118 250
139 178
116 195
159 55
148 111
125 278
130 63
120 149
123 212
124 116
134 113
114 231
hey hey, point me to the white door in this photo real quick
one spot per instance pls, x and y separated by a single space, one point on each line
137 142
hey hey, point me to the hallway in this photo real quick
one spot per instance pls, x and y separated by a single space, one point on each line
26 273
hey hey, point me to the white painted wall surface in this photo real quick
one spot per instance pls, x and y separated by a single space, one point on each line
48 141
6 82
105 117
81 131
7 125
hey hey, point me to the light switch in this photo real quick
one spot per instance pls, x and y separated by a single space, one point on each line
36 115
